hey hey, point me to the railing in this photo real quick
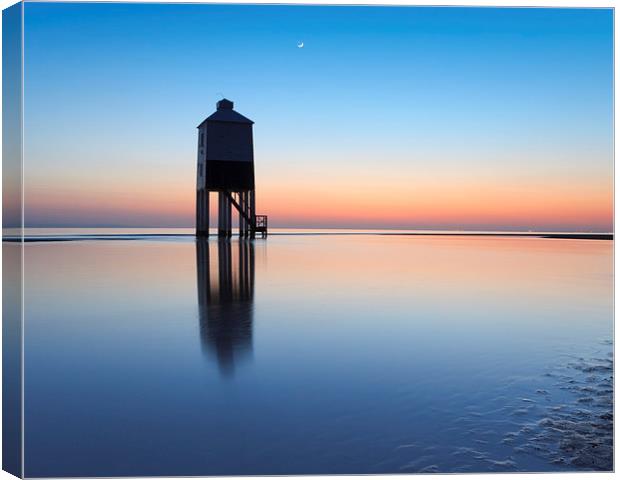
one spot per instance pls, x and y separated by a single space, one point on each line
261 223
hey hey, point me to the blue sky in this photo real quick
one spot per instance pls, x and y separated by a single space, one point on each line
447 97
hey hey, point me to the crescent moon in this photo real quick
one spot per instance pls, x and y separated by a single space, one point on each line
300 45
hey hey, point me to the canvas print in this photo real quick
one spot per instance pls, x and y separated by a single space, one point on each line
303 239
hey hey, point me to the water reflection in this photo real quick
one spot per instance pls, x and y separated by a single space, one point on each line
374 354
225 272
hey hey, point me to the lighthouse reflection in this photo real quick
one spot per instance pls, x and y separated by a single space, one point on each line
225 272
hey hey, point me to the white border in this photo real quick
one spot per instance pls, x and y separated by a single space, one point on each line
480 3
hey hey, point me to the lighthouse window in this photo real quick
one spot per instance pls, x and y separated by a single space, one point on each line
202 139
200 169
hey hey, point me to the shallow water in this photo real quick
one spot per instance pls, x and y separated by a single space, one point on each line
317 354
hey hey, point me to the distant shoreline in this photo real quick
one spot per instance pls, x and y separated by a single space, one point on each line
573 236
141 236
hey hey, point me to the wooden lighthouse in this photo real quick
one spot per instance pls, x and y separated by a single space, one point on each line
226 166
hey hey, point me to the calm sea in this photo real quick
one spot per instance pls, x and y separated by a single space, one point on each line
317 354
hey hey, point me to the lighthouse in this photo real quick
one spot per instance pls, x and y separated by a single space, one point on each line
226 165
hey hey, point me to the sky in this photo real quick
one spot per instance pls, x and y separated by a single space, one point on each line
388 117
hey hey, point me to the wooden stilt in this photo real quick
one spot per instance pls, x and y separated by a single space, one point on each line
252 213
198 212
205 212
221 214
243 224
228 217
202 212
246 209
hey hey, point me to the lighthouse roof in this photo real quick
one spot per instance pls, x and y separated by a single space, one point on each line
225 113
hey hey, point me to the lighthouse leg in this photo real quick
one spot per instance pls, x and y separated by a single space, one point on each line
202 212
230 224
228 216
204 220
221 214
248 215
207 213
198 213
246 211
252 213
243 224
240 202
241 219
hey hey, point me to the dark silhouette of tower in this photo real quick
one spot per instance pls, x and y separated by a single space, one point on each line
225 300
226 165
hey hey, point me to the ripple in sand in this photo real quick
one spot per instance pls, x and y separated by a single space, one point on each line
578 434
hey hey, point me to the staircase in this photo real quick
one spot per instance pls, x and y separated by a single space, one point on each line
258 224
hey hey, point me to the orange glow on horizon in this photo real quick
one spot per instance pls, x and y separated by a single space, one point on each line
457 203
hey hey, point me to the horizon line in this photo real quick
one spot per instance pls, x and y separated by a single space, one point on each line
378 229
